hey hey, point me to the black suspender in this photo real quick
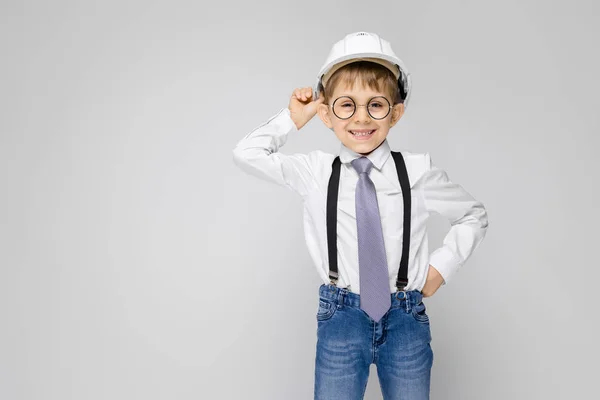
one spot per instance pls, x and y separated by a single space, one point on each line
332 200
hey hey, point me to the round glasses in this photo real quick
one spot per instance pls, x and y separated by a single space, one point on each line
378 107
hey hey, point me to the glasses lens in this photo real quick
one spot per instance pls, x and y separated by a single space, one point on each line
379 107
343 107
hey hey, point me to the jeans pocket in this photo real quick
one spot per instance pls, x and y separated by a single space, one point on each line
419 312
325 311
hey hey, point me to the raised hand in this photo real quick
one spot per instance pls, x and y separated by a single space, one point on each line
302 107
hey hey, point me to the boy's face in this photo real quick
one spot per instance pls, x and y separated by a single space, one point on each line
361 120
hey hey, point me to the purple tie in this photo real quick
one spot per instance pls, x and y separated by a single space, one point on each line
373 268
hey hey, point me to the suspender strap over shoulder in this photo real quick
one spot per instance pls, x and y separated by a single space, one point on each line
331 219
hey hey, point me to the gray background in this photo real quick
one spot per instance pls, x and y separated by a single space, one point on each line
137 261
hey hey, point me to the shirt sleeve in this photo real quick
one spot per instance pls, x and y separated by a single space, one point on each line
467 216
258 154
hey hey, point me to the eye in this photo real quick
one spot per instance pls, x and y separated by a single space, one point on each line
376 105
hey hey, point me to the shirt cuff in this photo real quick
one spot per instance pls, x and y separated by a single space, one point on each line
444 261
284 120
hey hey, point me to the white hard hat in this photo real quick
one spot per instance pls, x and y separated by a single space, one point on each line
364 46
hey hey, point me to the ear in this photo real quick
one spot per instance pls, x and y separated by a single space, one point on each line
323 111
397 112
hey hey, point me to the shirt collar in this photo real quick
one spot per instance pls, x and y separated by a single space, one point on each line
378 156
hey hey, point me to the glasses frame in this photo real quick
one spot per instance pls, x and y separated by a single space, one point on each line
361 105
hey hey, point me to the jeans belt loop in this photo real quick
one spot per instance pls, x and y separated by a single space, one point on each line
342 293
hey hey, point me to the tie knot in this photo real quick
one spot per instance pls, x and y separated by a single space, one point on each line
362 165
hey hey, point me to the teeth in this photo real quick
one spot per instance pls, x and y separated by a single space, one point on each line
361 133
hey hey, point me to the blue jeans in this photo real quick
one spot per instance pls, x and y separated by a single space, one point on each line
348 341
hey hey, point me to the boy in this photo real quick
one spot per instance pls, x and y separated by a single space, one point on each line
365 210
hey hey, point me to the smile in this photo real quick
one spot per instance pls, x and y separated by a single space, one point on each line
362 134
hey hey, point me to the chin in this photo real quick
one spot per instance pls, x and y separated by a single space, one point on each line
364 148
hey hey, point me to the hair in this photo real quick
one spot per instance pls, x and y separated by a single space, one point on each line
369 74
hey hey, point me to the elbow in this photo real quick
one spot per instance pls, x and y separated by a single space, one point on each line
481 217
477 216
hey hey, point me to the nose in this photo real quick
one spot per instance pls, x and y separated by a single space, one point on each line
361 114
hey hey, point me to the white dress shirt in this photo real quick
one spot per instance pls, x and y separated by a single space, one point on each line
431 191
